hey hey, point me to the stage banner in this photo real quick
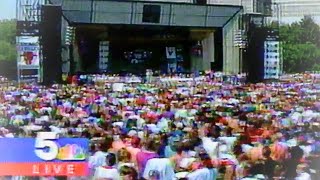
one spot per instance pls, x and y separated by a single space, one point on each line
103 55
172 67
29 10
28 28
171 52
29 75
46 155
28 51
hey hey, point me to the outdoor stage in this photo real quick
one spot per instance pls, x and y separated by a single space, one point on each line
135 48
111 36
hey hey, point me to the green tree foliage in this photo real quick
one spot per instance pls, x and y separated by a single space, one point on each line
300 57
8 40
301 46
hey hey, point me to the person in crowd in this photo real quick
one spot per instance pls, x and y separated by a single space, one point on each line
109 171
134 148
149 151
124 158
178 127
290 165
98 158
128 173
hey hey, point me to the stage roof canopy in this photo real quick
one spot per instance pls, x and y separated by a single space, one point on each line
131 13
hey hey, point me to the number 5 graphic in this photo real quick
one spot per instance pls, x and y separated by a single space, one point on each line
45 140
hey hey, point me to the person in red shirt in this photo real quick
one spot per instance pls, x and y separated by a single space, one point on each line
74 80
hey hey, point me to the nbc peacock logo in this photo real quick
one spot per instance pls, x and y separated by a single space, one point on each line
71 152
46 148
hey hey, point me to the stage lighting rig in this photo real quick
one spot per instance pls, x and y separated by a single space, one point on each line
70 34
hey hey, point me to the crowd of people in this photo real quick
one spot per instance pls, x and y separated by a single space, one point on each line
169 128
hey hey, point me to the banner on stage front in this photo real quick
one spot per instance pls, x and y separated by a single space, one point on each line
171 52
28 51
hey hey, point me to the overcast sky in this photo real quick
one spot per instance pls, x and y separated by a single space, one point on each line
7 9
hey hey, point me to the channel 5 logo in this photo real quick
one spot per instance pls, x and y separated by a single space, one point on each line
46 155
47 149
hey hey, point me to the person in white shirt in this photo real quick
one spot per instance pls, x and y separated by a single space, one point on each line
208 172
109 171
302 174
99 158
203 174
160 167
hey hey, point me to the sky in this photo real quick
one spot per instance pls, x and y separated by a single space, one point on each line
7 9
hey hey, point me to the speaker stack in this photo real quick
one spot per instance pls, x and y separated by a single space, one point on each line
50 31
255 55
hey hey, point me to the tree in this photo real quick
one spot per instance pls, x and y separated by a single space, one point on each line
300 57
312 29
8 40
301 46
7 51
